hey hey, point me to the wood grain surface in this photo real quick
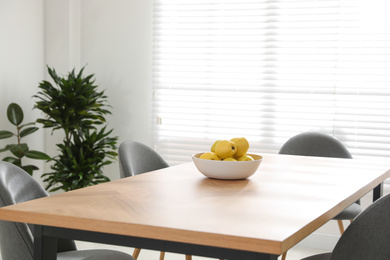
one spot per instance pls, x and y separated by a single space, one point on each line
287 199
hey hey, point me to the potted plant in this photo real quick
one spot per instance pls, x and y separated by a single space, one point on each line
74 105
20 150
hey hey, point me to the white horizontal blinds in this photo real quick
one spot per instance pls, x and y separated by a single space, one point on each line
362 118
268 70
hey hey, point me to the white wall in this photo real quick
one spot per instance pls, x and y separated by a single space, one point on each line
113 40
21 65
116 46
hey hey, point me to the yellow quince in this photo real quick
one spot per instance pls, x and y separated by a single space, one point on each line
213 146
209 156
245 158
242 146
231 159
225 149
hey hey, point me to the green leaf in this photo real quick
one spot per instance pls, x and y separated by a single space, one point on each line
28 131
30 168
37 155
4 149
54 189
18 149
32 123
5 134
12 160
8 147
15 114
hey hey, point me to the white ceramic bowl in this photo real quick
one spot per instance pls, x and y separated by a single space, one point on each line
228 170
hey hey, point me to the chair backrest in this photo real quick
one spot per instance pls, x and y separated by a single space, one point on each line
368 236
16 239
136 158
315 144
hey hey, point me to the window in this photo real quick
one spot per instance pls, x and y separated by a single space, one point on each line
268 70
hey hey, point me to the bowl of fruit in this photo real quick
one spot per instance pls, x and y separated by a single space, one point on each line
228 160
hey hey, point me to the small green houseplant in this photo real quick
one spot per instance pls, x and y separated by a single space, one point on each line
74 105
19 150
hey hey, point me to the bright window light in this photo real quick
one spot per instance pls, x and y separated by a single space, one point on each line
268 70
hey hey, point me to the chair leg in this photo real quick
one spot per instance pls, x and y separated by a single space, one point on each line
341 226
188 257
284 255
162 255
136 253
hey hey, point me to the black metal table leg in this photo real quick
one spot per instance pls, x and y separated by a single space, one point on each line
45 248
378 192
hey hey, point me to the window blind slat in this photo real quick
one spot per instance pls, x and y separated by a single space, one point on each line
268 70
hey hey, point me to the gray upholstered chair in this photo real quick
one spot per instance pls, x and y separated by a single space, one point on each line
136 158
315 144
322 145
16 239
367 237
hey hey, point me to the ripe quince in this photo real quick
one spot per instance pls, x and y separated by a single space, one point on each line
229 159
225 149
209 156
245 158
213 146
242 146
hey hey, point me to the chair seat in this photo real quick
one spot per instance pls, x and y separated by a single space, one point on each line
95 254
349 213
324 256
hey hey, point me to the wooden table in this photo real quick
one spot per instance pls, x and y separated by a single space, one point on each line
177 209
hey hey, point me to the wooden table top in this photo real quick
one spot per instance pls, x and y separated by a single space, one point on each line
287 199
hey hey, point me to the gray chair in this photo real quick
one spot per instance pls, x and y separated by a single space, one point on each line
322 145
315 144
136 158
16 239
366 238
